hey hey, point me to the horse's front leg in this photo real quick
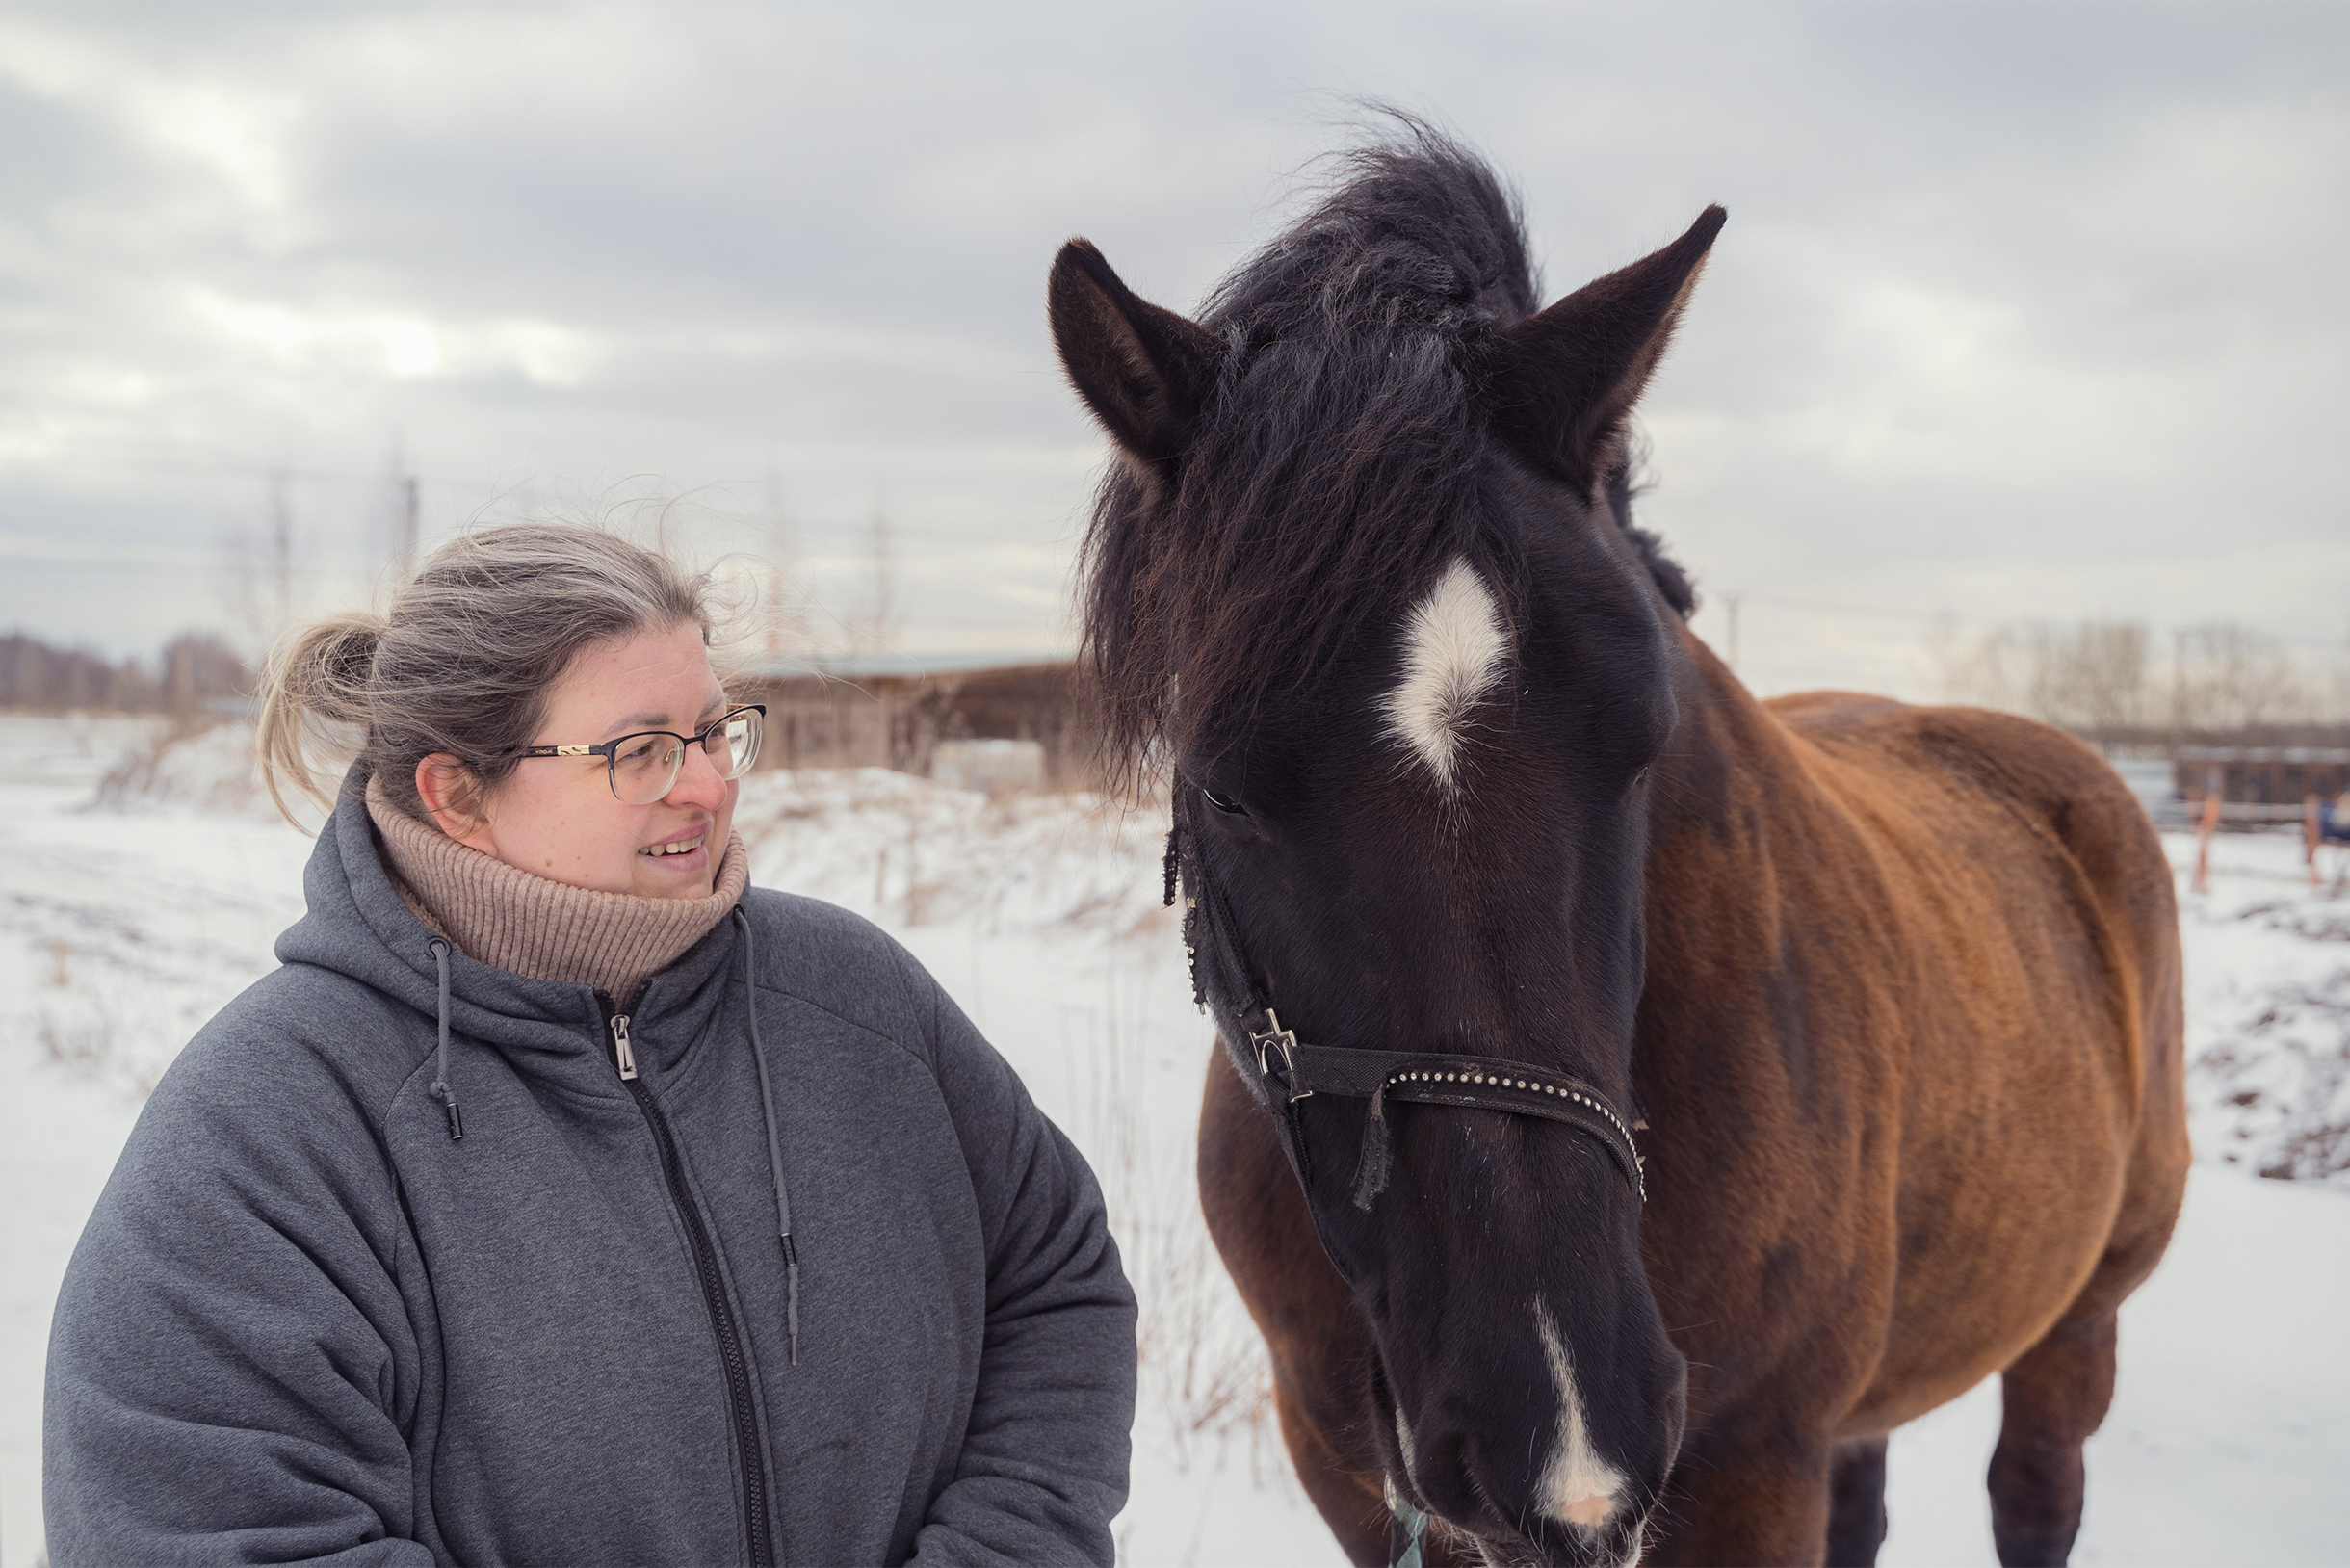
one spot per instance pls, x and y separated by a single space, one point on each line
1756 1494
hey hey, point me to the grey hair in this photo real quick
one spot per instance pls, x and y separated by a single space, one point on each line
464 659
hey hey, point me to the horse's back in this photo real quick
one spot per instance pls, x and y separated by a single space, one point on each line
1940 772
2068 798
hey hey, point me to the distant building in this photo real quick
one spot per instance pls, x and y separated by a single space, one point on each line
895 709
2259 783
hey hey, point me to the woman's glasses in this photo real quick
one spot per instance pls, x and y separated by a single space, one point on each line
645 767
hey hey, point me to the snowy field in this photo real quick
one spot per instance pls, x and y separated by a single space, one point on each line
129 913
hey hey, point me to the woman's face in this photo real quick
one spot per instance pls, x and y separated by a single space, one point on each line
558 818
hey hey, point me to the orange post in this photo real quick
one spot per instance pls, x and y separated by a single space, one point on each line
2202 839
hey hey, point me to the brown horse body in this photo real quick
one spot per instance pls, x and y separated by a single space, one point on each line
1896 989
1909 1050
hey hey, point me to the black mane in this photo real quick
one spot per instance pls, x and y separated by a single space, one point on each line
1337 460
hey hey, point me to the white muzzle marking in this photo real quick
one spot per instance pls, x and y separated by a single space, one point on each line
1455 648
1576 1487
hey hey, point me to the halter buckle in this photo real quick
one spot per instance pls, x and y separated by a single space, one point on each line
1284 1040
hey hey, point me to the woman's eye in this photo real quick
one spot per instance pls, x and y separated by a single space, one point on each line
1223 803
637 753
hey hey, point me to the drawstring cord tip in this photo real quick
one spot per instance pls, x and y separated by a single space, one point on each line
441 1090
791 1295
775 1145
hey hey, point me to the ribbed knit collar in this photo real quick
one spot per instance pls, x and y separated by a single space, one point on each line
540 929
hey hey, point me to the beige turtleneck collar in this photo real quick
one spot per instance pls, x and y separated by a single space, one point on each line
540 929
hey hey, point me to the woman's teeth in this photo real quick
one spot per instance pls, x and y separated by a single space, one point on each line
681 846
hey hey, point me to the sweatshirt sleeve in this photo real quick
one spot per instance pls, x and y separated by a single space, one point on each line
1044 1463
222 1379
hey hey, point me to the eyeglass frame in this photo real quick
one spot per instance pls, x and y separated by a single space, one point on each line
609 750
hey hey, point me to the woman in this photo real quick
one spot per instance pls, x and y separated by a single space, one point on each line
563 1199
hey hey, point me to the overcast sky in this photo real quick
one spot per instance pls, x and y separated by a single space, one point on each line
2021 311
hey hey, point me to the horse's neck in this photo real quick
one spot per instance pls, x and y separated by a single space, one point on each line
1730 768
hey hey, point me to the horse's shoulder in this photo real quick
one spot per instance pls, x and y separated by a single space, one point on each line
1826 715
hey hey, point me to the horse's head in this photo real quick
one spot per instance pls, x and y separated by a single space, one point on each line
1364 580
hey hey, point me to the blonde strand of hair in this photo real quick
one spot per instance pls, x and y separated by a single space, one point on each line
320 673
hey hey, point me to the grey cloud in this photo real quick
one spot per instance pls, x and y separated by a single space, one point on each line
2018 308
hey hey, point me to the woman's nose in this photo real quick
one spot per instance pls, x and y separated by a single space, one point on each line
700 782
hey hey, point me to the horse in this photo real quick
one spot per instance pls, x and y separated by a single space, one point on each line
1745 1079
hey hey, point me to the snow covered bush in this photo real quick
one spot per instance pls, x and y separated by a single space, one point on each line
2285 1075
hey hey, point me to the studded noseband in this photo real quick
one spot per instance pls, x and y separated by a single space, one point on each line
1289 1072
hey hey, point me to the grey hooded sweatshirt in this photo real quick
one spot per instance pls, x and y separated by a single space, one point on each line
307 1325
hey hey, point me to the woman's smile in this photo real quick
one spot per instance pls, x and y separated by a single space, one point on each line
686 854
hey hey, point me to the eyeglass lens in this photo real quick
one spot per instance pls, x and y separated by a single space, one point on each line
646 767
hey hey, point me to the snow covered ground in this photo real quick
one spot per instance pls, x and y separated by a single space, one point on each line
123 924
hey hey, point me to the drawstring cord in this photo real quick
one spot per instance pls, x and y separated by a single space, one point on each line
775 1145
441 1090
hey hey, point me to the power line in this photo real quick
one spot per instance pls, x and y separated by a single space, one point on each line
1903 613
246 467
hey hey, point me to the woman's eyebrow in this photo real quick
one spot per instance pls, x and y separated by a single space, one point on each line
638 721
635 722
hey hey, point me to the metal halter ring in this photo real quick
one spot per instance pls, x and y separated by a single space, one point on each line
1285 1040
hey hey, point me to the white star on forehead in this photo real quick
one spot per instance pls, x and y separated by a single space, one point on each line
1453 650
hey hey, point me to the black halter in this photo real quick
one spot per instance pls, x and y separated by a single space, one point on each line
1289 1072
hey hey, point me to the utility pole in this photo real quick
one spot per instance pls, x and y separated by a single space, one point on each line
1729 603
403 532
2179 687
411 526
280 565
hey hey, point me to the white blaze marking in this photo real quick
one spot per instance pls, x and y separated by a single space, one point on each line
1576 1487
1453 649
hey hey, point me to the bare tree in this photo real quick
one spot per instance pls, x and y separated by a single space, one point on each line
2227 676
2094 677
787 618
260 567
198 668
2091 676
2101 678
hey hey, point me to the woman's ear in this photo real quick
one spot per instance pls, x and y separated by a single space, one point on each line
451 794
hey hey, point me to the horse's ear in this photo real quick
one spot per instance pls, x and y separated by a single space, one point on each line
1563 381
1143 371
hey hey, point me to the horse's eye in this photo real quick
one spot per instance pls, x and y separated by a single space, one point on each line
1223 803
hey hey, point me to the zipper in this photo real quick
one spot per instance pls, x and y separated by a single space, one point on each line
731 1357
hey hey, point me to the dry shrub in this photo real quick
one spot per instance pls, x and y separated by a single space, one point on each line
1205 1383
2283 1080
1205 1389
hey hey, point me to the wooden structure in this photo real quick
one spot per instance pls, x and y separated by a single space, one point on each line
2260 784
893 709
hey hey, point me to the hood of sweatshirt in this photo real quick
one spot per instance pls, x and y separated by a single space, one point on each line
359 925
308 1323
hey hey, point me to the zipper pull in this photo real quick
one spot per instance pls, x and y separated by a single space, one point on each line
621 1053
